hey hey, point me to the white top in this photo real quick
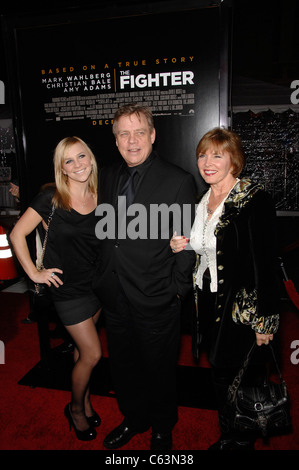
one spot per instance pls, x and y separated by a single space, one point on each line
203 240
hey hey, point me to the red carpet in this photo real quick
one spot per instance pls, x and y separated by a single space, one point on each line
32 418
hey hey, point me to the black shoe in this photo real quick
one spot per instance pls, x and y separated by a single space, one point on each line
94 420
87 435
119 436
231 444
222 444
243 445
28 321
161 441
64 348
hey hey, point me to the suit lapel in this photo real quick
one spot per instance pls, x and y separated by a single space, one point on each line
151 181
114 184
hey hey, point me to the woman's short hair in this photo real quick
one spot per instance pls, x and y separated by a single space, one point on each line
62 195
224 139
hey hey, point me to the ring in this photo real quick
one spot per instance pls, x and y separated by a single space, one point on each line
173 249
53 274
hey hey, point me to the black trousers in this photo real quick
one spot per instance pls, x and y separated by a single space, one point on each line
143 355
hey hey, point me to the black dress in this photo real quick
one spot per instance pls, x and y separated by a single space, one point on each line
72 247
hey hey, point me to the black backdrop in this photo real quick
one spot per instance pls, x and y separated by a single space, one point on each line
66 72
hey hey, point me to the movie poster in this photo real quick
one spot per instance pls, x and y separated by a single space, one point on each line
87 68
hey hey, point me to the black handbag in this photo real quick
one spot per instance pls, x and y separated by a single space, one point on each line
41 289
261 410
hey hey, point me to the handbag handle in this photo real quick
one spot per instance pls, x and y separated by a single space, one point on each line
45 239
233 388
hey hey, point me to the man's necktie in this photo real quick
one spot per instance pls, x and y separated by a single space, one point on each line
128 189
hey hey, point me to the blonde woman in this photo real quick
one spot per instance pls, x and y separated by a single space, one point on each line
69 263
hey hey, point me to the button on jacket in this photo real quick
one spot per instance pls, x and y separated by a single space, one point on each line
246 259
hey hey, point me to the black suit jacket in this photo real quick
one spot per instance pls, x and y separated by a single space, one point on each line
150 274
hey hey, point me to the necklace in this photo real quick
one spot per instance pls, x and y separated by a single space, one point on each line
82 203
219 200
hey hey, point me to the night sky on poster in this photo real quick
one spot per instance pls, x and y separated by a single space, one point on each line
86 69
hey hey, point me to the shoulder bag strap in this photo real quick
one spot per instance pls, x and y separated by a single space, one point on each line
46 238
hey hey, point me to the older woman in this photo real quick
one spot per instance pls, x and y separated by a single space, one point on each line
69 264
234 237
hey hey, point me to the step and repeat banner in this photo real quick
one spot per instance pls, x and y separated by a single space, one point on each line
73 74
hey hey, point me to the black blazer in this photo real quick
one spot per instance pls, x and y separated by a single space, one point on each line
150 274
246 256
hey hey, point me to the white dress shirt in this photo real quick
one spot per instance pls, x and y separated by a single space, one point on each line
203 240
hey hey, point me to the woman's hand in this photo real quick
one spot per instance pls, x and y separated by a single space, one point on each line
178 243
25 225
263 339
48 276
14 190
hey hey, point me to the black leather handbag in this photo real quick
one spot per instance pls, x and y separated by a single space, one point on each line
261 410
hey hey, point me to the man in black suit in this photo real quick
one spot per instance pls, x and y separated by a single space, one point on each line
140 281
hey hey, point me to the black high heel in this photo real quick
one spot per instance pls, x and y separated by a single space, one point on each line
87 435
94 420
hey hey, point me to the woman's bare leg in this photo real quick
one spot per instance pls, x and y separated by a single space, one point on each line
87 353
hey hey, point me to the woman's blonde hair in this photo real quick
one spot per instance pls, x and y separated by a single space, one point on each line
224 139
62 197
